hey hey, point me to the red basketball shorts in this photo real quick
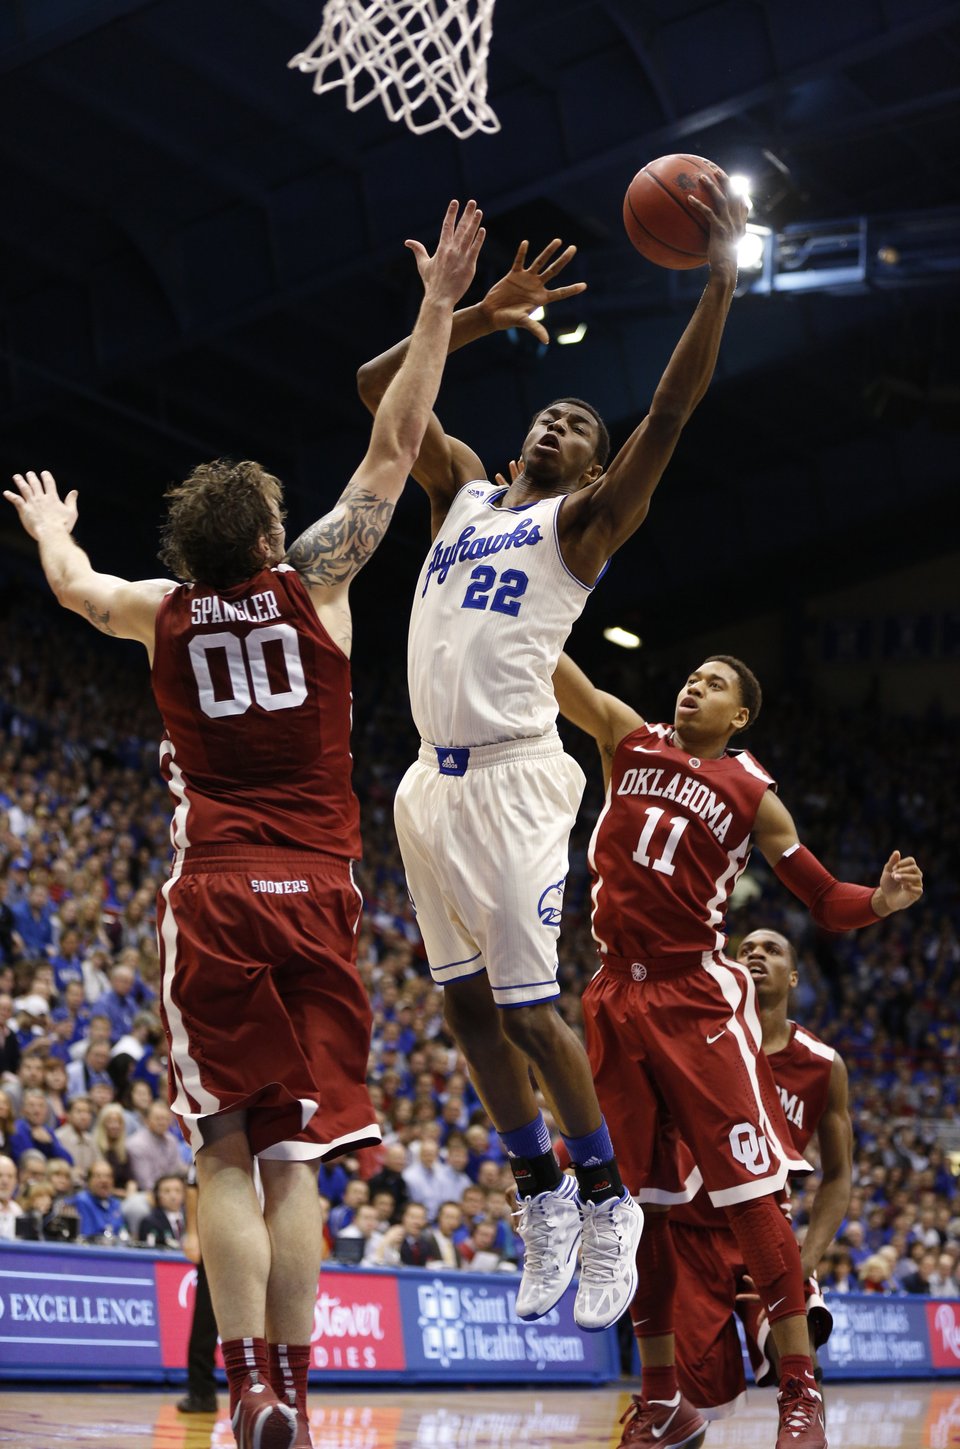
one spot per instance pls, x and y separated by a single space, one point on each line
709 1356
261 1000
675 1053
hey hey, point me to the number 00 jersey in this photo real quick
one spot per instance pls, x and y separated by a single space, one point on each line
493 606
255 697
670 845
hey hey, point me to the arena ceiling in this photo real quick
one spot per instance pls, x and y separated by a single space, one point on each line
198 252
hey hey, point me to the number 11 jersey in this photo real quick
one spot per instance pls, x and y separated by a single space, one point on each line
672 841
493 606
255 697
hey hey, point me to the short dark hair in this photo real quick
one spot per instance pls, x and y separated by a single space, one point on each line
750 692
602 450
215 519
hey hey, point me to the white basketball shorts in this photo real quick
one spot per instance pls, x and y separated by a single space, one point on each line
484 837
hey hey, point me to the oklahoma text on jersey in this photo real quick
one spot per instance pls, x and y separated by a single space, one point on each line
682 790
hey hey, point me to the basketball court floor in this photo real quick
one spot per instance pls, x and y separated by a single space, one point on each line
859 1416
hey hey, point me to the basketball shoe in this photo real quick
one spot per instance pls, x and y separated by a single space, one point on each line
608 1265
302 1439
550 1226
801 1415
260 1421
662 1424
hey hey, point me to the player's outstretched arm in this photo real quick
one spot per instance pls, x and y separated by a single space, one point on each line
602 516
600 714
832 1198
113 605
335 548
835 905
444 463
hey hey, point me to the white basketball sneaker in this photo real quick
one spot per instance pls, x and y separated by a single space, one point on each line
608 1269
549 1225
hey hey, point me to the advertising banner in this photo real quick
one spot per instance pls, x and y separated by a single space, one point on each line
876 1336
85 1312
462 1326
63 1309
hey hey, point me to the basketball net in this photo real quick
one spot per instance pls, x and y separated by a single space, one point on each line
425 59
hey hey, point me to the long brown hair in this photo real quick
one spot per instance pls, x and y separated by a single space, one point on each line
215 520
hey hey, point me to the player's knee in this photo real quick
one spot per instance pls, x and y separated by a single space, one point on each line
532 1028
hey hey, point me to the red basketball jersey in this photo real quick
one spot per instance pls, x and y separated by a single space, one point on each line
802 1076
801 1073
255 697
670 845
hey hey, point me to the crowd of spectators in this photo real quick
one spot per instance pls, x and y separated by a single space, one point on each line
86 1137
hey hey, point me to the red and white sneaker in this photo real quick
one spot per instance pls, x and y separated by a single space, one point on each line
302 1440
260 1421
662 1424
801 1415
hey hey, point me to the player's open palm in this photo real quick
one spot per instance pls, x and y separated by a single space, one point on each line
901 883
510 301
448 273
39 505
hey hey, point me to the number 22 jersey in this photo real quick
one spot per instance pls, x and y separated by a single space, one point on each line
255 697
671 842
493 606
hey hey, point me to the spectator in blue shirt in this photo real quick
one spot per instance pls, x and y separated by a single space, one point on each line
98 1206
32 1131
120 1003
33 923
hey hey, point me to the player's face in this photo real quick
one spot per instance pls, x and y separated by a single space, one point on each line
561 444
709 705
769 959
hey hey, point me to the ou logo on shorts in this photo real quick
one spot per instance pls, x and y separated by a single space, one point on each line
749 1149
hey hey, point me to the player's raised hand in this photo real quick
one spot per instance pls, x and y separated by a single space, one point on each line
727 219
514 469
39 505
448 273
510 301
901 884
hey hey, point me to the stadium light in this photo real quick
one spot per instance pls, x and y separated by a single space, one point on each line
538 314
624 637
742 185
752 247
575 334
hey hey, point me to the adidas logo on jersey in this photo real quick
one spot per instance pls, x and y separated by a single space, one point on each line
448 763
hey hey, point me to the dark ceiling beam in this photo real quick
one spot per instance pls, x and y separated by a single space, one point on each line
39 41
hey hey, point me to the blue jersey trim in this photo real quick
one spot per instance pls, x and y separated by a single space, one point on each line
465 962
589 588
522 985
534 1000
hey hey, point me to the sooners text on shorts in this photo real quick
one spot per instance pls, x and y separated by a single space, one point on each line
261 1000
670 845
255 697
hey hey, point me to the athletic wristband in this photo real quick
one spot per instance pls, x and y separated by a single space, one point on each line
836 905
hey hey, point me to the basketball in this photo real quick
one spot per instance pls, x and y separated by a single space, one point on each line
660 223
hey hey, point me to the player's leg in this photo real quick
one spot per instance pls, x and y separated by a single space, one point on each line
235 1245
649 1153
291 1209
718 1083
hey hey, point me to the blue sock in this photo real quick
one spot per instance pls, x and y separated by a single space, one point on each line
591 1150
530 1141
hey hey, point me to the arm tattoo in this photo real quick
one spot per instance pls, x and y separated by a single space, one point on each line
338 545
99 621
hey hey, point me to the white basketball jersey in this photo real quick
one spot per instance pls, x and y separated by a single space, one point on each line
493 607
